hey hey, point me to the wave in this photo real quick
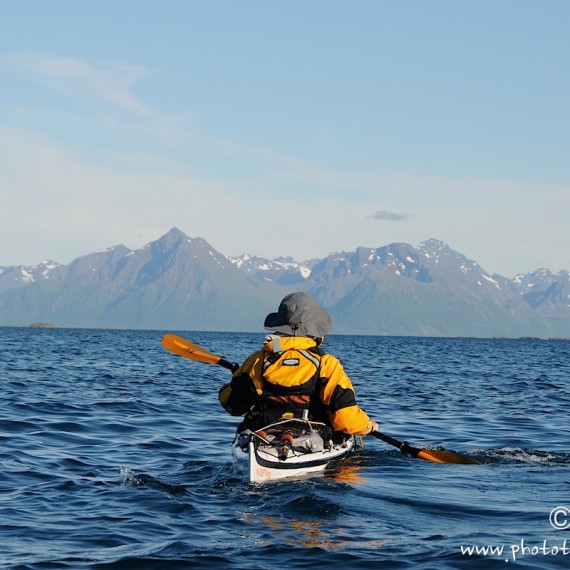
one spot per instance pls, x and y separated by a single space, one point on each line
518 454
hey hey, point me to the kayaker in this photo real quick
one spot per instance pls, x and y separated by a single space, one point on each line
291 375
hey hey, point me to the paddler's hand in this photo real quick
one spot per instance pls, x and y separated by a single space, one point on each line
372 426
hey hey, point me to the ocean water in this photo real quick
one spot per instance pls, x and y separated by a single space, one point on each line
116 454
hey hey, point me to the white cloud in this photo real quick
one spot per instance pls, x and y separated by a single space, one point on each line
112 84
59 206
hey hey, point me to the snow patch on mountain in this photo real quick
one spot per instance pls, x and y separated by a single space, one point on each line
283 270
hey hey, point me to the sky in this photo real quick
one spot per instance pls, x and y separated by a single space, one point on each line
286 128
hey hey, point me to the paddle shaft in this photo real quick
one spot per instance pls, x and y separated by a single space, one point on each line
434 455
229 365
403 446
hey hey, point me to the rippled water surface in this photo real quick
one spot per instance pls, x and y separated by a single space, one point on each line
116 454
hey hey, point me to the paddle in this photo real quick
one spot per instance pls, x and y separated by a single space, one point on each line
187 349
435 455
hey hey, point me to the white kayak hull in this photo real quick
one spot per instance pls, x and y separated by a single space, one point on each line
268 455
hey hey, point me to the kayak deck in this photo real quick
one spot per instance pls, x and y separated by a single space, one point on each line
289 448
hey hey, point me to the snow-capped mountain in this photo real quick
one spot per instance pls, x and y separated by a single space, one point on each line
544 291
22 275
180 282
282 270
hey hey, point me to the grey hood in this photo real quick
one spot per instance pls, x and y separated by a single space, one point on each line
299 315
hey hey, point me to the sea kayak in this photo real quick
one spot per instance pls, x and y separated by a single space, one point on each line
289 448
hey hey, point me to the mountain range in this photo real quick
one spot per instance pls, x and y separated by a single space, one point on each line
182 283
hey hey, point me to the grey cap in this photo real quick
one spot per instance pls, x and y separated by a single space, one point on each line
299 315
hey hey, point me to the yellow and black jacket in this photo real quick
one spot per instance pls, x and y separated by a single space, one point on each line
289 375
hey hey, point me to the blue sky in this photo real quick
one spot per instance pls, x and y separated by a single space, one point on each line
291 128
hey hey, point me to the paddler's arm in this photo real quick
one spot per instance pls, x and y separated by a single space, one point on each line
232 401
238 396
339 398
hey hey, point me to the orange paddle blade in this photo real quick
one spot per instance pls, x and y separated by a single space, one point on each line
187 349
445 456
